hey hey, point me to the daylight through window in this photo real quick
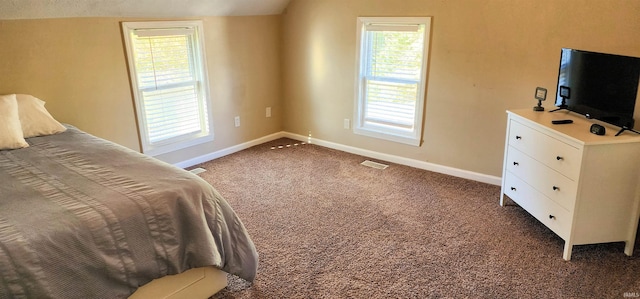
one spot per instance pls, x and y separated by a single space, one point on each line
391 78
168 74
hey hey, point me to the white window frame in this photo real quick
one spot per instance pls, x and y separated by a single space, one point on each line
205 107
413 135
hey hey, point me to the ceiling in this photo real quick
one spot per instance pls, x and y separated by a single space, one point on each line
42 9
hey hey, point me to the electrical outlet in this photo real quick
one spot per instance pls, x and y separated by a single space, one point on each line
347 123
237 121
268 112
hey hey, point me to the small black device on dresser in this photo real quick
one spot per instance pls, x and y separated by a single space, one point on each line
561 121
598 129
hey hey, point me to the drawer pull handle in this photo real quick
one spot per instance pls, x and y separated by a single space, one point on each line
513 188
559 158
555 188
552 217
518 137
516 163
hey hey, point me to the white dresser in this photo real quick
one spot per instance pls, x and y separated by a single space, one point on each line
584 187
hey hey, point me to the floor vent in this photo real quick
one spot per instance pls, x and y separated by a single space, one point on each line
197 170
374 164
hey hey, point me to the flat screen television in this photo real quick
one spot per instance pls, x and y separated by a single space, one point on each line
598 85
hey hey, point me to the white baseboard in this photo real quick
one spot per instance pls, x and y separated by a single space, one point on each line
229 150
461 173
475 176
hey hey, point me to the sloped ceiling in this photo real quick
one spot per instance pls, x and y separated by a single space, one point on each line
42 9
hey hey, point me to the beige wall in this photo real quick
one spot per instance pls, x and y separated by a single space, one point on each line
486 57
78 66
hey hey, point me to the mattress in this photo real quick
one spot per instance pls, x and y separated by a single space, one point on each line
81 217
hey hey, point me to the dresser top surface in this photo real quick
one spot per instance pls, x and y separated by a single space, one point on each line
579 130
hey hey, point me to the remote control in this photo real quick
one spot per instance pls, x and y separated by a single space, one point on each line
561 121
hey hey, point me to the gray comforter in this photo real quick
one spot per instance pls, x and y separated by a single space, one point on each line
81 217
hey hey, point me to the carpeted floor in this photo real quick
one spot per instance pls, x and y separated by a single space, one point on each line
327 227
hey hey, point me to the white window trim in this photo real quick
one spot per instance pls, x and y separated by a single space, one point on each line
411 137
169 145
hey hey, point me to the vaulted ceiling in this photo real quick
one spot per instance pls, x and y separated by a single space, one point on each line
40 9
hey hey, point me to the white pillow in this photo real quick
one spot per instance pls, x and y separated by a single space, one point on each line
35 119
10 130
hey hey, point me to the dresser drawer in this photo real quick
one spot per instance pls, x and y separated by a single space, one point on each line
549 182
539 206
552 152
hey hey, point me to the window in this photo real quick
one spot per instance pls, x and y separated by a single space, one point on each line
392 67
169 81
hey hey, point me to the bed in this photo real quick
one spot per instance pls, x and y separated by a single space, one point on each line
81 217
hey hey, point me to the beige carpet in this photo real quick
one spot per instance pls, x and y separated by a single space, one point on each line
327 227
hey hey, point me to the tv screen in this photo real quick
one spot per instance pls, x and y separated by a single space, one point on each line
600 86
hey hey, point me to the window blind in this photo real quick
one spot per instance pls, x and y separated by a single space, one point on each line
168 83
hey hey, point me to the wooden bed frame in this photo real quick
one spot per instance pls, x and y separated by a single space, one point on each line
194 283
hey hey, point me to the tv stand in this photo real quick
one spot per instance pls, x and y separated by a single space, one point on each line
626 129
564 94
561 107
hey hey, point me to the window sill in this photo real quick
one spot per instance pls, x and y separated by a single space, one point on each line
157 150
389 136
